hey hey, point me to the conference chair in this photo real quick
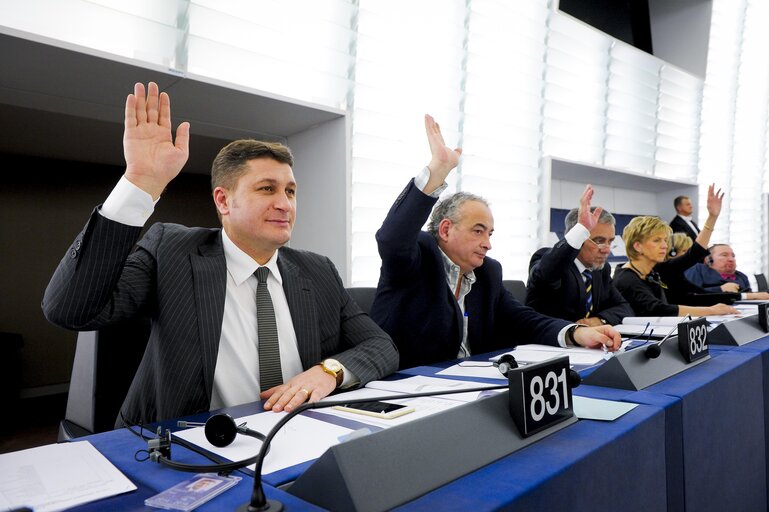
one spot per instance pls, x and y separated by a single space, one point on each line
105 364
363 296
761 283
517 288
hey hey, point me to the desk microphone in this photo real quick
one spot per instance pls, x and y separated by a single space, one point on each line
654 350
259 502
507 362
220 429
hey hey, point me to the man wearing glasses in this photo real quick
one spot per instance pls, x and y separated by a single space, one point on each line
572 280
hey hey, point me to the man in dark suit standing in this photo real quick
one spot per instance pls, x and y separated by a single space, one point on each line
683 221
439 296
572 280
235 315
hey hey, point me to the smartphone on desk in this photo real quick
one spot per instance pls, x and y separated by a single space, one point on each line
383 410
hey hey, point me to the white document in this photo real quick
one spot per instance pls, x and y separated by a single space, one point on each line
423 384
58 476
534 353
670 321
473 369
423 406
746 309
300 440
643 325
652 331
603 410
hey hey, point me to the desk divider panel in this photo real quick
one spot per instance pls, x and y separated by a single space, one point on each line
633 370
737 332
383 470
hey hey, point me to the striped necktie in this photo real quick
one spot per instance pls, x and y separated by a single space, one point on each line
588 292
270 373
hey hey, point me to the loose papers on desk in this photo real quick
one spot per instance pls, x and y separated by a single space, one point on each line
661 325
643 325
304 438
57 477
525 354
424 406
301 439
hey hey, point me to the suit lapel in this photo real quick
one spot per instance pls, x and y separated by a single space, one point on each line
209 275
580 284
300 297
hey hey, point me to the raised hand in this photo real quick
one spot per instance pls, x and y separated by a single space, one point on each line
715 198
585 216
152 157
443 159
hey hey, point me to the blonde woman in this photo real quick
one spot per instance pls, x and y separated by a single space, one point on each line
642 280
679 244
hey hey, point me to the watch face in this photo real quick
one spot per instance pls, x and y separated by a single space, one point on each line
333 365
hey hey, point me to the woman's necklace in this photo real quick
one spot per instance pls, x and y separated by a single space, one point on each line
640 274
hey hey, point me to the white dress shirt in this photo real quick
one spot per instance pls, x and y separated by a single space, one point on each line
688 219
236 375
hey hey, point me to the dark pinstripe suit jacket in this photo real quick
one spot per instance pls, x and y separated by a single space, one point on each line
177 277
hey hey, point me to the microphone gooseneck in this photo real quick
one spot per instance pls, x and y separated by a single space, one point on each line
259 502
654 350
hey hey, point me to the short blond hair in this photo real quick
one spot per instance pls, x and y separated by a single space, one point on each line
640 229
680 243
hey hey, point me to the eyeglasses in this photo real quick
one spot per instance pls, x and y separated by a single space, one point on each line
601 246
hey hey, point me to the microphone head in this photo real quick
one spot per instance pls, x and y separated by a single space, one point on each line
575 379
220 430
506 363
653 351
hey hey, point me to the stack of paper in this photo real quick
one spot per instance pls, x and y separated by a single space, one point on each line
643 325
57 477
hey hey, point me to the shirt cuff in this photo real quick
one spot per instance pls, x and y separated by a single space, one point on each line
421 179
349 379
562 336
577 236
128 204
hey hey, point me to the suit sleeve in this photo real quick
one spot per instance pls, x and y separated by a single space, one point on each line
550 268
367 351
696 275
99 281
397 238
525 325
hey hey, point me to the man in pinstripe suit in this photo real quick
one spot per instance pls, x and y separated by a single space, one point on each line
197 284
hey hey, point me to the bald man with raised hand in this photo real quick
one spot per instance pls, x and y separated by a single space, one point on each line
439 295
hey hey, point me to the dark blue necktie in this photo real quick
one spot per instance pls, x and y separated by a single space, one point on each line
588 292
